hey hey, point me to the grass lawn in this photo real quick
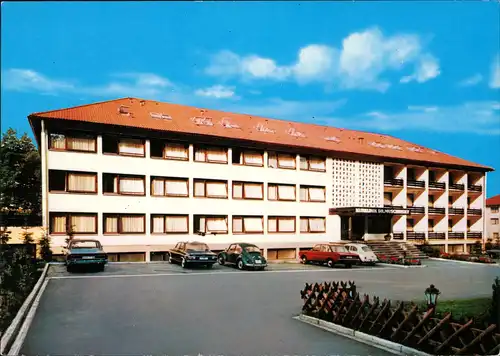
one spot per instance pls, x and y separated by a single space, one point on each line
477 308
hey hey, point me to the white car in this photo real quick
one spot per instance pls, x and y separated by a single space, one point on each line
365 253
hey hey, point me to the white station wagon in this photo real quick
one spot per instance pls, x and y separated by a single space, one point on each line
365 253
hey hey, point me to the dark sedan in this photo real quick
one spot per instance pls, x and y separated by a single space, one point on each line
243 255
85 252
190 253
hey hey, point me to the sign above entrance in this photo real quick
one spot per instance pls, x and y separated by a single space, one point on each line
377 211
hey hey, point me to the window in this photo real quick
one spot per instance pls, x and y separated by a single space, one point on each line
312 164
248 224
73 142
281 160
210 154
169 187
411 175
450 201
285 224
213 224
312 194
80 223
494 221
248 190
432 176
432 199
312 224
388 172
450 225
169 150
387 198
495 235
431 224
124 223
284 192
247 158
410 199
169 224
410 223
494 209
123 184
123 146
72 182
210 188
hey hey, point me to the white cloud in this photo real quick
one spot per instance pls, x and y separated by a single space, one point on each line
359 63
426 69
218 92
470 117
495 73
30 80
471 81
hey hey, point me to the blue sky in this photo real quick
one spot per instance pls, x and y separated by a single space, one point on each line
427 72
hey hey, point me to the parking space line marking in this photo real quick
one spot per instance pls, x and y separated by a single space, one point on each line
215 273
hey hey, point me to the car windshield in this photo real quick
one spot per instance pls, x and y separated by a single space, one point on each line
338 248
252 249
197 247
84 244
366 249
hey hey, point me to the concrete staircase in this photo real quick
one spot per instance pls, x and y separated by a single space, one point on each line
396 249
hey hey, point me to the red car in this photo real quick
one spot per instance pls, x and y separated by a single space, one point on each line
331 254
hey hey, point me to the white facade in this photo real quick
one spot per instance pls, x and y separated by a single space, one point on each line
492 218
346 183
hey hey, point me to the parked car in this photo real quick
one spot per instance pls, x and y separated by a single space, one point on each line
329 253
189 253
242 255
85 252
364 252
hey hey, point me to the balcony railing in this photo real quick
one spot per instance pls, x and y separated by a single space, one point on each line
398 235
475 188
456 235
437 185
412 235
416 210
415 183
394 182
455 186
475 212
437 211
474 235
456 211
437 235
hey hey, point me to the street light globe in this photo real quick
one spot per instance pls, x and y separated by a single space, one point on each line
431 295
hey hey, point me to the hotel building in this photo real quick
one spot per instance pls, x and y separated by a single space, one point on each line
493 219
141 175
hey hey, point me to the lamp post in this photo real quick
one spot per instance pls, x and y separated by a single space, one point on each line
431 296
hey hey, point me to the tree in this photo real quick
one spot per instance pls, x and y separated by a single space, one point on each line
20 173
45 251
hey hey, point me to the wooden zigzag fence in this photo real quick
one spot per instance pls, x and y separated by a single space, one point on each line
339 303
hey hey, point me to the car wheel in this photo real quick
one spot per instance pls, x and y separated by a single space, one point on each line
210 266
169 259
183 263
304 259
348 265
240 265
221 260
101 267
69 268
329 263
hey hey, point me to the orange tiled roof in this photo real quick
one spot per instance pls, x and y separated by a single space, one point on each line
495 200
153 115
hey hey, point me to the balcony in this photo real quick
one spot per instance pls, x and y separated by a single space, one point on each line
477 212
456 235
456 211
475 235
398 235
455 186
393 182
437 211
416 210
437 236
475 188
437 185
415 236
411 183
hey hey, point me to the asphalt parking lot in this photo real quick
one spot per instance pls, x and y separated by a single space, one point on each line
163 309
